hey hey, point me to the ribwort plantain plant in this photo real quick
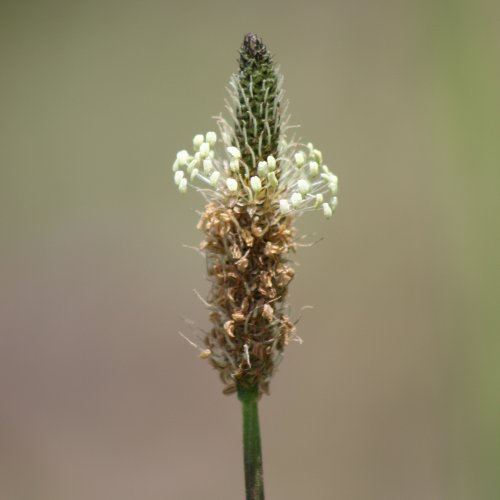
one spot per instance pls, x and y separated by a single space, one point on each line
256 182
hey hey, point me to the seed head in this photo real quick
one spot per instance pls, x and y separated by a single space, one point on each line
256 182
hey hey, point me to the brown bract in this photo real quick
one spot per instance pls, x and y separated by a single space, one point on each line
246 251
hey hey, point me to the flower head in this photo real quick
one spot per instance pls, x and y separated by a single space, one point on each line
256 182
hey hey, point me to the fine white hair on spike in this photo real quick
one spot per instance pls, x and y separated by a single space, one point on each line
247 355
190 342
202 299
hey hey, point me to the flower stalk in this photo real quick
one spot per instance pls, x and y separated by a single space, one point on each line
252 452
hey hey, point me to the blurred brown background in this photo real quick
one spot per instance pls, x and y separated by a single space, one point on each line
394 393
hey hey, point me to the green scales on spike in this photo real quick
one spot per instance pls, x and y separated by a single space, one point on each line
257 127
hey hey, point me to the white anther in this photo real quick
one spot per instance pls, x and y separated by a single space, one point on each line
214 178
211 138
284 207
197 141
182 157
234 165
183 185
255 183
192 164
333 184
271 162
179 175
327 210
319 200
204 149
300 158
313 168
262 168
318 156
208 166
232 184
194 173
234 152
273 180
303 186
296 200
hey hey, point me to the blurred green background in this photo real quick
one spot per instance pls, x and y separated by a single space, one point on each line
395 393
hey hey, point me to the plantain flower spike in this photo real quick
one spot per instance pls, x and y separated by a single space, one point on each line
256 182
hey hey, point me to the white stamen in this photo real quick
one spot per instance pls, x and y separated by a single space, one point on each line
317 155
234 165
234 152
271 162
232 184
211 138
194 173
214 178
197 141
273 180
208 166
327 210
262 169
304 186
319 200
255 183
334 184
179 175
182 157
313 168
300 159
284 207
296 200
204 149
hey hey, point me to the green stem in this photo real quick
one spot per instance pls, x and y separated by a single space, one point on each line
254 481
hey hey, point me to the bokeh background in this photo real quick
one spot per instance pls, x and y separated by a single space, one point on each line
395 392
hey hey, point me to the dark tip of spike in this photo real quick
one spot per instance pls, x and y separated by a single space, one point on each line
253 46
